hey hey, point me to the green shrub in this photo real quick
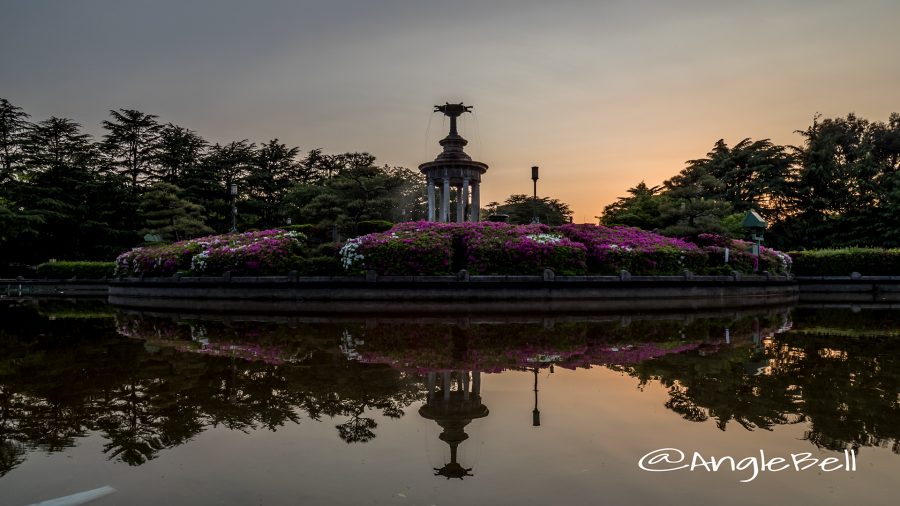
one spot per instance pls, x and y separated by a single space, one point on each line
320 266
80 270
841 262
315 234
373 226
328 249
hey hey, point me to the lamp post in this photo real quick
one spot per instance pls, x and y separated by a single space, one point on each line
756 225
233 191
534 177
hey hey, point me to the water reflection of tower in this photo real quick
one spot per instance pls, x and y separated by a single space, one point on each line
453 404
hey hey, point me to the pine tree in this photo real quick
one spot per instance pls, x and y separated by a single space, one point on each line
13 127
171 217
132 144
178 150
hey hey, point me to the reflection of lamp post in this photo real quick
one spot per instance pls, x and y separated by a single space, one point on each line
233 190
536 414
756 225
534 177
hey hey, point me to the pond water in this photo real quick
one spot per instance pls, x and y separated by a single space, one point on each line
449 409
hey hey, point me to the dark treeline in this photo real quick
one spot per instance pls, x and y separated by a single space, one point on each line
66 195
840 187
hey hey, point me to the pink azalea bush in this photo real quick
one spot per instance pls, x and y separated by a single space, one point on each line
611 249
524 249
499 248
740 256
247 253
399 252
481 248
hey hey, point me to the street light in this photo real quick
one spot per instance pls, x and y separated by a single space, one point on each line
233 191
756 225
534 177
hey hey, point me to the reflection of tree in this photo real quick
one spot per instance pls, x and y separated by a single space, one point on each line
719 386
357 429
850 387
12 453
846 387
59 381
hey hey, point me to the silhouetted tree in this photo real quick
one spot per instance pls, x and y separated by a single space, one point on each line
132 143
179 150
522 209
13 127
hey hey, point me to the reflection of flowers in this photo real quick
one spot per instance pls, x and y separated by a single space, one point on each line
267 354
492 348
496 360
198 337
426 347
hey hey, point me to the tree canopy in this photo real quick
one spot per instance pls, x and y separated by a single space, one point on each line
839 187
66 195
523 209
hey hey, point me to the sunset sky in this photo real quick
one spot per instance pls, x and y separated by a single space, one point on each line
600 94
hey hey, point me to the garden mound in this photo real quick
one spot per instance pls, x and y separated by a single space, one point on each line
428 248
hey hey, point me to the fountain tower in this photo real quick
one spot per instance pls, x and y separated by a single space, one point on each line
454 168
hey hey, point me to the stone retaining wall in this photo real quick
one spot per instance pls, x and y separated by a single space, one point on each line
849 289
440 293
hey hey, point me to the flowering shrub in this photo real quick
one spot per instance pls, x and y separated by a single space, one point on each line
500 248
399 252
248 253
522 250
611 249
741 257
430 248
482 248
162 260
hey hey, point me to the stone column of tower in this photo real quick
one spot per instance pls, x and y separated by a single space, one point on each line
476 200
445 200
464 201
430 185
454 168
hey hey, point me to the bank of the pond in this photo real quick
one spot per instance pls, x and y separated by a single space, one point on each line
524 293
53 287
849 289
433 293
